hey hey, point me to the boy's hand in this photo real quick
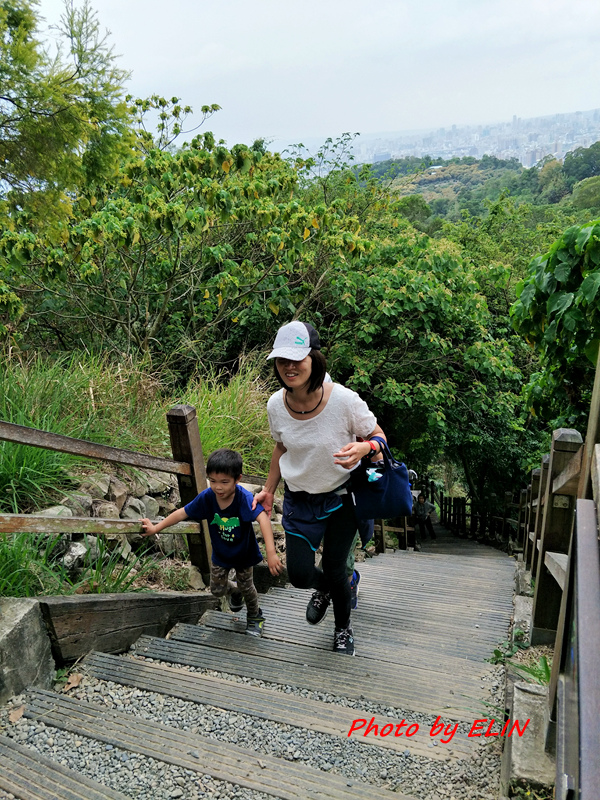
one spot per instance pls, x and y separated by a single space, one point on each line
148 527
266 499
274 564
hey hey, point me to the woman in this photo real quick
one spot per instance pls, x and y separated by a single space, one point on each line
315 424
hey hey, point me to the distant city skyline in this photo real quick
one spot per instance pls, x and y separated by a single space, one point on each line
289 72
528 140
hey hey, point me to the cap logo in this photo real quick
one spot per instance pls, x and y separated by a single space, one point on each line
300 341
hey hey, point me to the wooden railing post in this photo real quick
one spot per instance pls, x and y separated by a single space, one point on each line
186 446
521 518
533 490
555 535
539 512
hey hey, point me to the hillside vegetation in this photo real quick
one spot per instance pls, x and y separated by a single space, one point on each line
127 247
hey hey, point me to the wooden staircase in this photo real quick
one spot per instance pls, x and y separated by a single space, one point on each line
425 623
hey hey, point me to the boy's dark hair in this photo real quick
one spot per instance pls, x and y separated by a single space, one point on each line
228 462
317 374
421 495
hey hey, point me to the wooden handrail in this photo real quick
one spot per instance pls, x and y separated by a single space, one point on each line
20 434
32 523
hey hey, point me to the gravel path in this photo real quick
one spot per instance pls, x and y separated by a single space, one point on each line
475 778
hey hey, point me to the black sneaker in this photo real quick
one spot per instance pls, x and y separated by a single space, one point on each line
317 607
254 625
343 641
236 601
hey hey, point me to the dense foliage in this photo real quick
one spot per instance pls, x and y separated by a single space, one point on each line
187 256
559 314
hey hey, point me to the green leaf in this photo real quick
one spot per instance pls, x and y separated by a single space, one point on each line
582 238
591 350
590 286
563 271
559 302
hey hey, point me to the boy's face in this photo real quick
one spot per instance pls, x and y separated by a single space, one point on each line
421 500
222 485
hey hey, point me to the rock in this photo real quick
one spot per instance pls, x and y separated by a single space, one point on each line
140 484
96 486
104 509
195 579
117 492
166 542
121 543
253 488
134 508
25 653
160 482
80 503
74 558
165 506
151 506
56 511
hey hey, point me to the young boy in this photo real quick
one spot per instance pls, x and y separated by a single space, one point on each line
228 509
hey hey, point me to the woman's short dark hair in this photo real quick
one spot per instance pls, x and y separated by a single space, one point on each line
227 462
317 373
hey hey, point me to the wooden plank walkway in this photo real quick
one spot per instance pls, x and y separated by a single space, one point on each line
424 626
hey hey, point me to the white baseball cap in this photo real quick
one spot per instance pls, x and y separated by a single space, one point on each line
294 341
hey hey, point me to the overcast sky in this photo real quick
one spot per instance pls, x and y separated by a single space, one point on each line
290 71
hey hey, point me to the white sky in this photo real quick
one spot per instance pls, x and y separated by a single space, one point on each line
290 71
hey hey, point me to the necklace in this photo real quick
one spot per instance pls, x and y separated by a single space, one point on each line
312 409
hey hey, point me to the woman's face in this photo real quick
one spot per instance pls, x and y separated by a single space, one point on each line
294 373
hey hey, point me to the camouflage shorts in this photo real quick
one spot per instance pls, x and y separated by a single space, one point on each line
220 585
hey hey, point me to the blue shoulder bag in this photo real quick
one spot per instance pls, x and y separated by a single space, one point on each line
381 492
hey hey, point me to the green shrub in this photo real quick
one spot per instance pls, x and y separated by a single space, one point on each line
27 568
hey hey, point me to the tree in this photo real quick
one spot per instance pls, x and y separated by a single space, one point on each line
584 162
63 118
558 313
586 193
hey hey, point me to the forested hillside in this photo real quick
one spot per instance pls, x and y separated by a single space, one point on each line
130 244
452 186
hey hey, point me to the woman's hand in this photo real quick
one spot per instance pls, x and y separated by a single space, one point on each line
349 455
266 499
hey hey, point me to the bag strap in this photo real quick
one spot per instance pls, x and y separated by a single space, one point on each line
385 450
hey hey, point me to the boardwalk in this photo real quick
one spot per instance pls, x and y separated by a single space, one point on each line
425 623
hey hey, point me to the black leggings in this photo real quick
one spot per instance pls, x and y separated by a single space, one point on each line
337 541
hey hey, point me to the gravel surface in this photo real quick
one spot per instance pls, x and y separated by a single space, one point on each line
134 775
493 683
475 778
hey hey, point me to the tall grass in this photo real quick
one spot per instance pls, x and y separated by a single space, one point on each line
82 396
26 565
234 415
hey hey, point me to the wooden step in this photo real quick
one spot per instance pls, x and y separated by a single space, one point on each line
319 671
288 709
30 776
274 776
387 644
325 660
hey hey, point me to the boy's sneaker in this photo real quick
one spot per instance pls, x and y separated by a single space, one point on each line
236 601
354 590
343 641
317 607
254 625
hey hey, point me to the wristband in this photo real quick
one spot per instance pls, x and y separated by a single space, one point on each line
372 445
